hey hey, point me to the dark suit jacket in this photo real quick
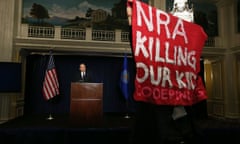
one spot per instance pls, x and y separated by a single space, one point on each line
78 78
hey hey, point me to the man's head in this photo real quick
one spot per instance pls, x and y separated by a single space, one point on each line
82 67
180 4
181 9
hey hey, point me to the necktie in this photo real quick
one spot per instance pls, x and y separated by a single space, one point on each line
83 75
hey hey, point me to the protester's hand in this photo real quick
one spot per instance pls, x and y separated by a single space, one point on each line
129 12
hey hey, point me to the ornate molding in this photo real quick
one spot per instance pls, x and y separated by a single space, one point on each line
69 46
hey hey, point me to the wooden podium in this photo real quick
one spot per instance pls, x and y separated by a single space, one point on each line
86 102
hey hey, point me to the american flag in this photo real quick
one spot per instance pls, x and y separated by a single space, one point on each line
50 83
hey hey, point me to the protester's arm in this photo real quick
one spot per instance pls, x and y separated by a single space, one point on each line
129 12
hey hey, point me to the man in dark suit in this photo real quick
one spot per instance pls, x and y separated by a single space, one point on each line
82 75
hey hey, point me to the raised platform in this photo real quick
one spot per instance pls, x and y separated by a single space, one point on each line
113 129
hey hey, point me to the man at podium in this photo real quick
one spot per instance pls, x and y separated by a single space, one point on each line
82 75
85 93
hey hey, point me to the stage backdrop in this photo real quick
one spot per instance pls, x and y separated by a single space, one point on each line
105 70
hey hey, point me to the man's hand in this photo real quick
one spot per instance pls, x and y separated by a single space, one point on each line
129 12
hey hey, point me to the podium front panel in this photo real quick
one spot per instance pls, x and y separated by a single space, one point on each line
86 101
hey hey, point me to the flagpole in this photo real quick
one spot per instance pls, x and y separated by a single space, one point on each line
127 101
50 117
50 79
127 115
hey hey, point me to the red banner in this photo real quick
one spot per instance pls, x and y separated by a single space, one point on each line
167 53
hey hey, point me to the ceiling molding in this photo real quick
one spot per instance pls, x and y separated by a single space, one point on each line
71 47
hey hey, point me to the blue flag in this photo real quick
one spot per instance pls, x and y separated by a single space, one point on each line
124 84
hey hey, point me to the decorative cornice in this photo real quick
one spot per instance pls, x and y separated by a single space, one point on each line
223 2
70 46
95 47
213 51
235 50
